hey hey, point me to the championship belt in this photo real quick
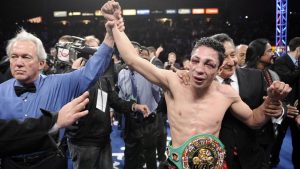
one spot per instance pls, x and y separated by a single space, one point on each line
204 152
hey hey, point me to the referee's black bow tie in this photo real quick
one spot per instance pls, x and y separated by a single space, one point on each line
20 90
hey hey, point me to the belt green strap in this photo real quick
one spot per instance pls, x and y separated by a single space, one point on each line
203 150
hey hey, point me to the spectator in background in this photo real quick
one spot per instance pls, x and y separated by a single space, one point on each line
158 51
186 64
241 54
92 41
49 65
287 67
153 58
144 52
64 58
140 135
171 63
161 114
53 52
242 144
89 139
155 52
259 56
119 65
152 51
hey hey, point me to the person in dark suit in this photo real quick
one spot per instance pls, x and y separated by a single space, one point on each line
242 143
89 139
153 58
287 67
35 133
260 56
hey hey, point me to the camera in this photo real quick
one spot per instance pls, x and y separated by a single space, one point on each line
74 49
70 50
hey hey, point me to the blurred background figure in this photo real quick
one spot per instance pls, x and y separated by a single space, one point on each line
171 63
92 41
140 134
287 67
49 66
241 54
186 64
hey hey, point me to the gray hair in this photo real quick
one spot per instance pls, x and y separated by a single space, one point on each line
23 35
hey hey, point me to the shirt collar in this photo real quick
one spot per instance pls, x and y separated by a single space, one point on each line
293 58
232 77
36 82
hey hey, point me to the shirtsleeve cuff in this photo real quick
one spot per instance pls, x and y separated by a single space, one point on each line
279 119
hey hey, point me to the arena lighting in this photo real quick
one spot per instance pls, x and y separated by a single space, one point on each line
143 12
228 23
86 21
171 11
35 20
128 12
273 48
212 10
98 13
281 26
183 11
57 14
157 12
87 14
74 13
64 22
198 11
163 20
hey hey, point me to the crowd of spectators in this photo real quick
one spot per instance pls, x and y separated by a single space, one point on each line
173 39
173 34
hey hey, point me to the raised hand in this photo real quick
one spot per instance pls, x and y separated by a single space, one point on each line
72 111
278 91
110 24
111 10
158 51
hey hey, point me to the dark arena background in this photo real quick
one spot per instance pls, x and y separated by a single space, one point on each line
171 24
174 24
